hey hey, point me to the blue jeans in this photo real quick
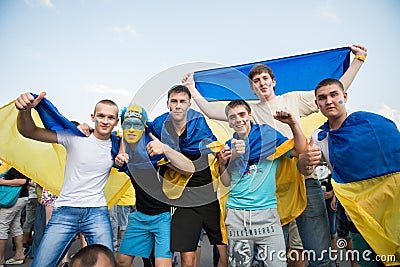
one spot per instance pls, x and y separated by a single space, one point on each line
313 226
38 230
65 223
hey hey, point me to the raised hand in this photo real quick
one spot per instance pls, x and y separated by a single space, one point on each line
359 50
310 157
188 79
27 101
238 147
224 155
121 159
285 116
154 147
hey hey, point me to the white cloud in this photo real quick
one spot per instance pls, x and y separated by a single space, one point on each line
328 13
390 113
127 29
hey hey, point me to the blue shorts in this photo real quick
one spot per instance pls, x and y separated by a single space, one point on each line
145 231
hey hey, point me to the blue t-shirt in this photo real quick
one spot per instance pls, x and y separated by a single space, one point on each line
255 189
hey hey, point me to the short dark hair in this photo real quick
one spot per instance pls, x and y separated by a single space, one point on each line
106 102
235 103
88 256
258 69
329 81
179 89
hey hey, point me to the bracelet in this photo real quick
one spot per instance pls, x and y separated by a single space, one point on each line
362 58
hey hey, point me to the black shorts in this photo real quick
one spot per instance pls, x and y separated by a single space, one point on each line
186 226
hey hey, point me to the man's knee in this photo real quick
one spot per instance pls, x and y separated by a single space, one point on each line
188 259
124 260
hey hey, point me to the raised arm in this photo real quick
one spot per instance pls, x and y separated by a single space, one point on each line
25 124
179 162
300 142
211 111
360 54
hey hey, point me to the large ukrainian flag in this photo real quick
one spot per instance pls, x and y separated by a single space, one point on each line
295 73
365 157
43 162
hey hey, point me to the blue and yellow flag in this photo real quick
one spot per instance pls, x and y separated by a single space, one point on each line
295 73
198 134
199 140
369 185
265 142
43 162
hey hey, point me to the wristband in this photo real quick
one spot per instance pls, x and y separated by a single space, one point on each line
362 58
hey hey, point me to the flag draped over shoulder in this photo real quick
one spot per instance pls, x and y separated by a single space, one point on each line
369 186
199 140
43 162
295 73
198 137
291 198
262 142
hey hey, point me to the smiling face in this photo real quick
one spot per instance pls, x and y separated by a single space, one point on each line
178 105
331 100
263 86
105 119
240 121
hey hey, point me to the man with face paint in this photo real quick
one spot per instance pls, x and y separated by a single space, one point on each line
362 152
81 205
196 205
147 158
248 164
301 104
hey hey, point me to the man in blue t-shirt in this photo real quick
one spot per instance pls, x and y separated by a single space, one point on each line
247 167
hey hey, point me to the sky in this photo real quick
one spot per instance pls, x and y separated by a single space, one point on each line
81 51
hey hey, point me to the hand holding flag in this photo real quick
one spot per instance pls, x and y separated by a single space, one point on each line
25 101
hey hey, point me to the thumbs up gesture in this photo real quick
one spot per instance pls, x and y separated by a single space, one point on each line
309 158
154 147
27 101
238 147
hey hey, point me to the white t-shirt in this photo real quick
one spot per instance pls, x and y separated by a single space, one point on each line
300 103
87 168
323 145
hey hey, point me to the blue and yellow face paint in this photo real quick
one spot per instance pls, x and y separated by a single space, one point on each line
134 123
133 130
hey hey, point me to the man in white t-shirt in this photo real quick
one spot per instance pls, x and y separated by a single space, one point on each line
81 205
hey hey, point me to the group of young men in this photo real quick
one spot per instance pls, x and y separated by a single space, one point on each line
173 163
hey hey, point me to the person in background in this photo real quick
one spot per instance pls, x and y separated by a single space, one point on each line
30 214
10 218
